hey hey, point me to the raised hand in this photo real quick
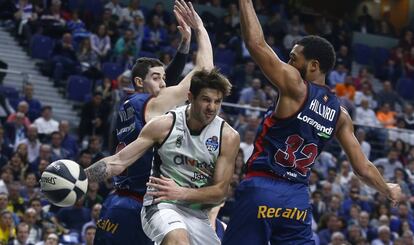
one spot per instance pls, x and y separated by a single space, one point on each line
188 14
184 29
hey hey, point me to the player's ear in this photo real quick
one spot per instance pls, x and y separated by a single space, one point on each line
190 96
313 65
139 82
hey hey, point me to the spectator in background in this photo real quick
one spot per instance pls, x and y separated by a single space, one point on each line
407 40
115 9
94 117
52 21
386 116
384 236
291 38
125 48
246 145
58 152
45 124
92 197
234 15
77 28
22 235
95 148
68 140
367 94
34 105
160 11
343 57
250 93
388 95
45 153
365 116
332 226
22 107
137 26
155 35
7 226
365 146
364 76
337 238
337 76
89 235
365 22
64 60
408 116
389 163
403 215
100 42
16 131
295 23
30 187
409 63
95 211
34 231
368 231
74 217
129 12
276 26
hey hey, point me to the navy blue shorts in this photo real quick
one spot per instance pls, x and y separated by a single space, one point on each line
120 222
270 210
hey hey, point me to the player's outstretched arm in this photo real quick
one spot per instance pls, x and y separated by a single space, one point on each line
285 77
167 189
154 131
176 95
362 167
176 67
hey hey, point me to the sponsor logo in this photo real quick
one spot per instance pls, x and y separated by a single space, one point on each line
48 180
179 141
322 110
126 129
181 159
326 131
265 212
107 225
212 144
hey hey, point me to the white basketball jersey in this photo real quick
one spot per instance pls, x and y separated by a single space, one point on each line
189 159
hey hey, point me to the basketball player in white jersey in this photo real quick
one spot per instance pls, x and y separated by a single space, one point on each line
196 153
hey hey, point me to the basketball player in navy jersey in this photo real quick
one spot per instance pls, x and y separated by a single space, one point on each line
272 203
119 221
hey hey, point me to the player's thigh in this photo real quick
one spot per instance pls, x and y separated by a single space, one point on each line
199 227
120 223
158 220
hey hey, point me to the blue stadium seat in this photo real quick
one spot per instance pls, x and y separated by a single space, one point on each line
79 88
362 54
405 88
224 56
41 47
9 92
112 70
380 56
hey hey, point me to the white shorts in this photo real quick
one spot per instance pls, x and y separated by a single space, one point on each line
159 219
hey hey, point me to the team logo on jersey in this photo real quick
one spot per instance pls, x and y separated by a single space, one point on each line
212 143
179 141
325 98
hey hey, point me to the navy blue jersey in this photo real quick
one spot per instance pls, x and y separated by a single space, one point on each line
130 121
288 147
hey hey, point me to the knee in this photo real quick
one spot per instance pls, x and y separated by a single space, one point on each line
176 237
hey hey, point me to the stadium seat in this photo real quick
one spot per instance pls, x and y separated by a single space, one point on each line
79 88
224 56
9 92
41 47
380 56
362 54
405 88
112 70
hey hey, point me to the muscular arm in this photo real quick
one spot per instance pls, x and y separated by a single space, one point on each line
173 96
154 131
362 167
285 77
167 189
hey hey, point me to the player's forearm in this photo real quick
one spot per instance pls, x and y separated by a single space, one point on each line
251 29
370 175
206 195
99 171
184 46
204 58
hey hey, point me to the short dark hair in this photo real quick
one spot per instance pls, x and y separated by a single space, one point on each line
46 107
320 49
209 79
142 66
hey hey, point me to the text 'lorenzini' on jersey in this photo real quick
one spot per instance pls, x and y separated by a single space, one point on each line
289 146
